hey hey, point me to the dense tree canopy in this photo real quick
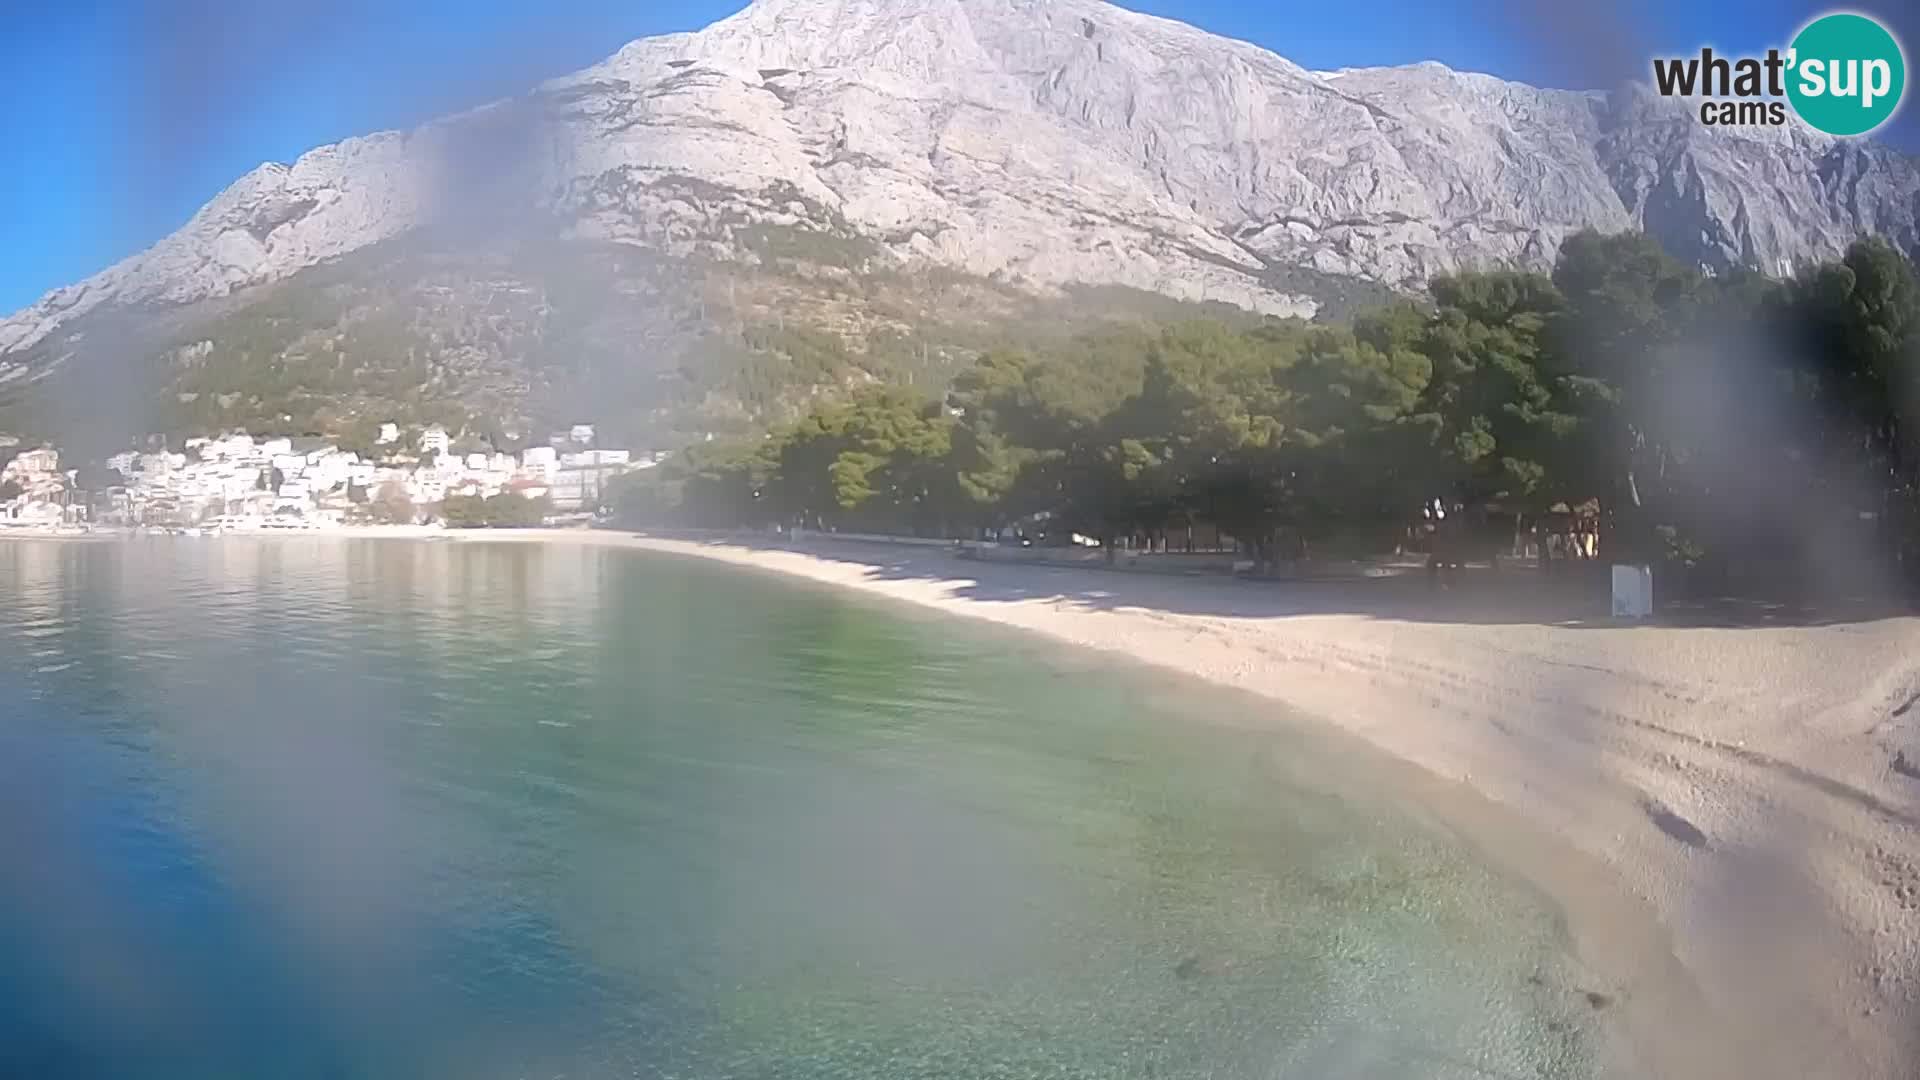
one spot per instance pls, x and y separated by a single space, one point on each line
503 511
1726 415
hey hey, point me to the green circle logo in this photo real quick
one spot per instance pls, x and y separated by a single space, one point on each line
1847 74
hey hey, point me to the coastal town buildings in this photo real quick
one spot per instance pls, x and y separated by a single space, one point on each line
239 480
35 491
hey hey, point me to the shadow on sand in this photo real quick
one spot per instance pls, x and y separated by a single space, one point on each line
1511 597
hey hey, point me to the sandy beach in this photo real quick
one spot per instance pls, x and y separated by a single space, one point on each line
1754 789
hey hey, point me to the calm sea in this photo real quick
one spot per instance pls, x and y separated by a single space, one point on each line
316 808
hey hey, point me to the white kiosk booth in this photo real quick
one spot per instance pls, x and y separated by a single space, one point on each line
1632 592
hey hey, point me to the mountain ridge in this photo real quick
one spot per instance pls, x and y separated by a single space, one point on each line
1045 143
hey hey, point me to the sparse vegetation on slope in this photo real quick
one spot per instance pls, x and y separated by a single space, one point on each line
507 340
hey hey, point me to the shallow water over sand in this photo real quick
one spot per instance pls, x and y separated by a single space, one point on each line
358 808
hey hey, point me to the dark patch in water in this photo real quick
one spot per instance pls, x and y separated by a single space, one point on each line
1597 999
1904 765
511 899
1198 967
1676 826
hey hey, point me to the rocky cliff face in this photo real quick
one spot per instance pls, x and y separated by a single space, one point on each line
1040 143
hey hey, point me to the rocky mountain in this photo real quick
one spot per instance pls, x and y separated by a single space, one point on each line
1033 144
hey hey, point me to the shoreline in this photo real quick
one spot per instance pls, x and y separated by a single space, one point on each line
110 535
1726 817
1746 788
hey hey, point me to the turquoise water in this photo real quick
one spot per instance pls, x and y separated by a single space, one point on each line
324 808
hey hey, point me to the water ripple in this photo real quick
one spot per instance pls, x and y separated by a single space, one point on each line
465 810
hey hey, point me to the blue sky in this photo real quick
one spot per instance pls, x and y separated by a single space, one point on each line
120 119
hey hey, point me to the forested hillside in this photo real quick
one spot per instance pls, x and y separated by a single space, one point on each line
1711 418
503 338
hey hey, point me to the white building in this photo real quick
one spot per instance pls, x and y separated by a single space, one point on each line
575 489
425 487
582 478
44 490
581 434
38 514
32 463
330 469
596 459
434 440
235 447
159 468
540 461
389 434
